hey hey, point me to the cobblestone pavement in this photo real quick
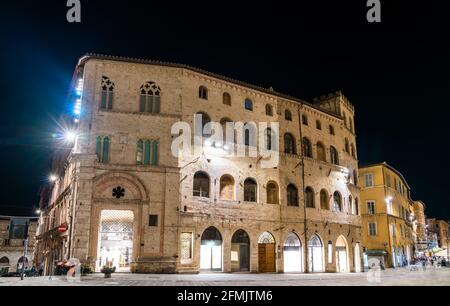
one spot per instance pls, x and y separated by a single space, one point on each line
390 277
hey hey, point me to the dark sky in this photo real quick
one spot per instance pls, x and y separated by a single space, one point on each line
396 73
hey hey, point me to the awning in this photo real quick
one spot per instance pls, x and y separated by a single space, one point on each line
375 252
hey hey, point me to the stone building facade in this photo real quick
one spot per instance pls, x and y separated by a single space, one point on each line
440 227
420 226
128 201
13 234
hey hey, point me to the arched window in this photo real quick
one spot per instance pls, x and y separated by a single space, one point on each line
355 177
205 120
331 128
292 195
226 98
347 146
309 197
150 98
289 144
350 121
248 104
305 119
356 206
318 125
337 202
307 148
102 149
269 110
250 189
350 204
268 139
272 193
288 115
321 154
250 134
107 94
147 152
201 185
203 93
345 119
227 187
324 201
353 150
334 155
223 123
4 265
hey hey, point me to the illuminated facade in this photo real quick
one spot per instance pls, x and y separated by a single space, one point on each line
387 214
130 203
420 226
440 227
13 232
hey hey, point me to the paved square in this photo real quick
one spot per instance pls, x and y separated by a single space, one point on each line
390 277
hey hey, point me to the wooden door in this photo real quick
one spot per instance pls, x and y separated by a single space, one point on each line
266 257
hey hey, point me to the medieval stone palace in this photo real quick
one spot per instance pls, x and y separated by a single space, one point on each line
121 197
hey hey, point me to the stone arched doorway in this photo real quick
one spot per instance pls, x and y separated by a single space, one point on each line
266 253
315 254
115 239
342 264
292 253
211 250
4 265
240 251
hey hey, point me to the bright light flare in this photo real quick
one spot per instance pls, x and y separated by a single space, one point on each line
70 136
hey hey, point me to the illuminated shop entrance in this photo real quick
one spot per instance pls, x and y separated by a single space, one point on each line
115 239
341 255
240 252
292 254
315 254
211 250
266 253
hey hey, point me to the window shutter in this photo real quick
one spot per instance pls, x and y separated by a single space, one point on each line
98 147
157 104
150 100
142 103
105 155
110 100
155 153
103 102
147 153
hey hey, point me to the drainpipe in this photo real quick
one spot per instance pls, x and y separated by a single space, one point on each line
387 220
302 158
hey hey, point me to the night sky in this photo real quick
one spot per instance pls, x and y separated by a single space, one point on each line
396 73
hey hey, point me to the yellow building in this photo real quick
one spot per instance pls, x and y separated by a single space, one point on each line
387 216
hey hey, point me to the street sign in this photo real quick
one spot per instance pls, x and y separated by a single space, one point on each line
62 228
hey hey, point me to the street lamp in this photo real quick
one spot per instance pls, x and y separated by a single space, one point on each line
70 136
52 178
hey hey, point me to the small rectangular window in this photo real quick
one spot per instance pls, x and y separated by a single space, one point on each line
153 220
388 180
371 207
369 179
372 229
